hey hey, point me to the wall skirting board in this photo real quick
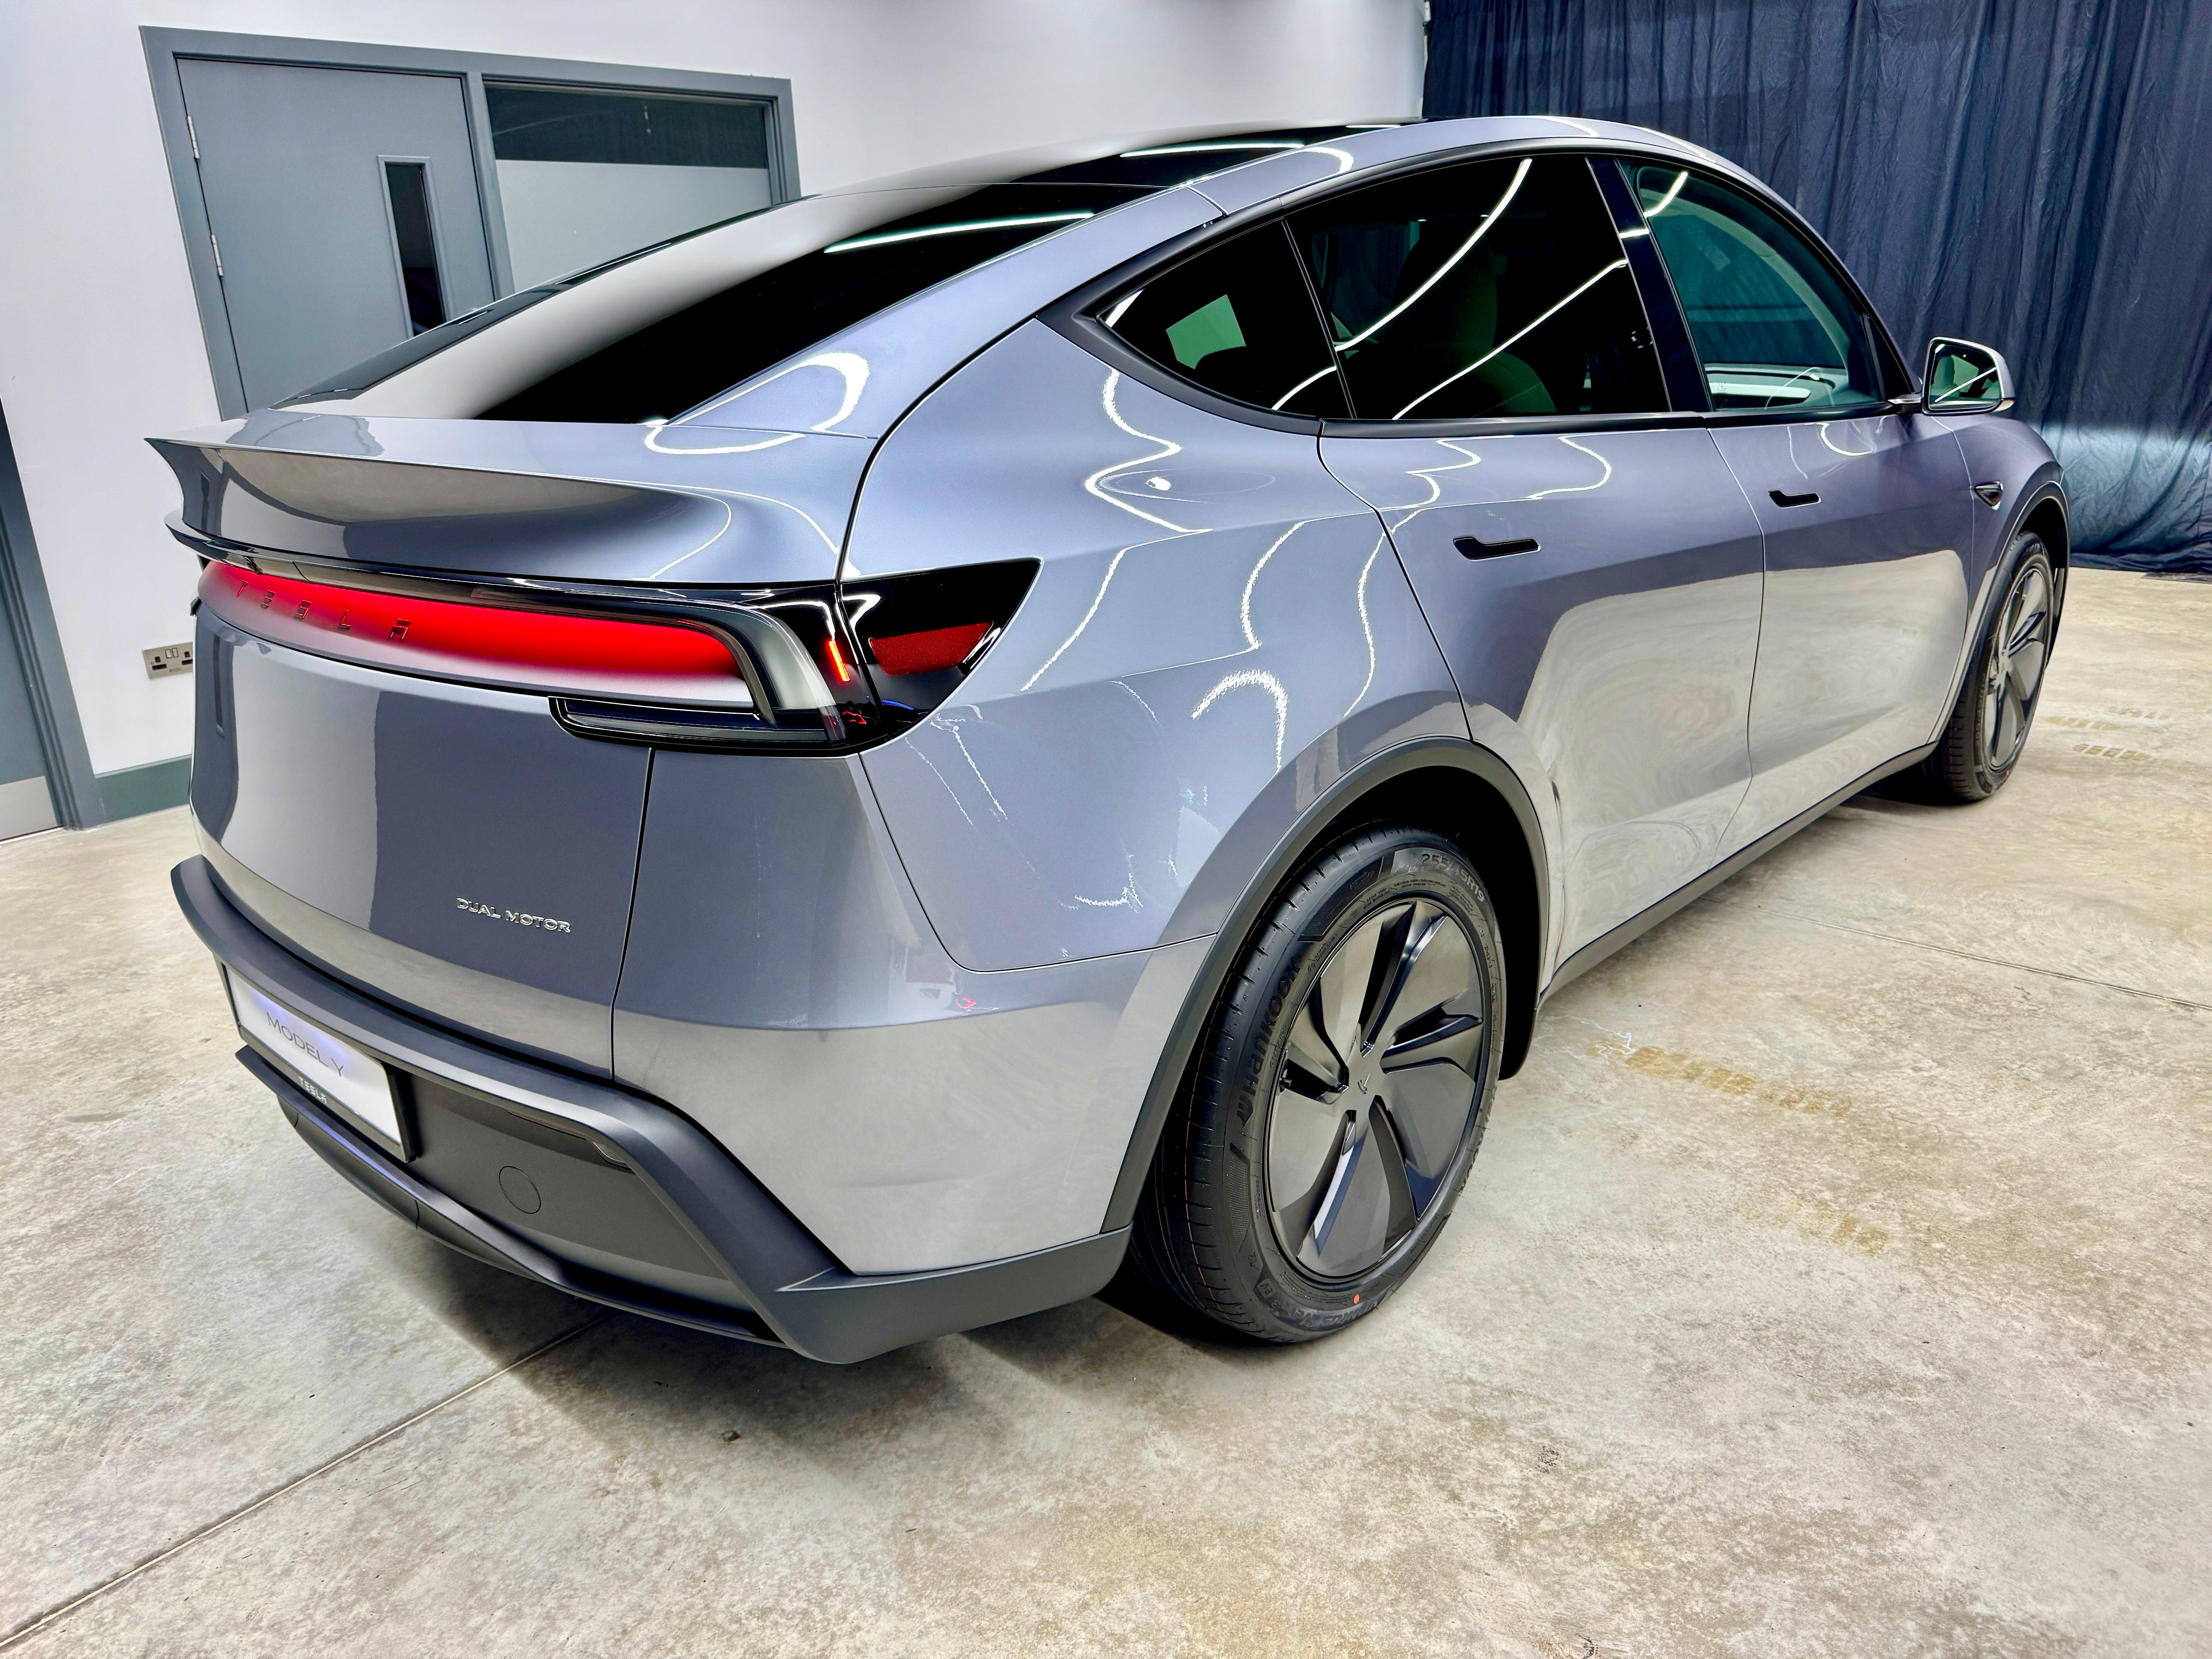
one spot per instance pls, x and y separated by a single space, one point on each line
149 788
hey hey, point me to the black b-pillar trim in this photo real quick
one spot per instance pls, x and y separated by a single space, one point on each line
1678 356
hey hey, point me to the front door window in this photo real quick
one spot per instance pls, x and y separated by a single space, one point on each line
1774 326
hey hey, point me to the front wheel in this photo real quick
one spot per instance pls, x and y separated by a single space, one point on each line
1341 1091
1988 728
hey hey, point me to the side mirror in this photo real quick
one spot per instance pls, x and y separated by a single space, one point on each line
1966 378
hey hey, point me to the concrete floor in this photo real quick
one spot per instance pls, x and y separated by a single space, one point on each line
1834 1281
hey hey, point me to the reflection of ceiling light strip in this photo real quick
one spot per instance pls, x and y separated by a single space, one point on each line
1444 269
848 245
1196 149
1300 387
1667 200
1618 265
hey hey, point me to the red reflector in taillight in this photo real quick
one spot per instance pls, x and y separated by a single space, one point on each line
483 633
930 650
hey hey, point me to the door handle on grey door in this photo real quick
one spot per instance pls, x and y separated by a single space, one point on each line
1783 499
1474 547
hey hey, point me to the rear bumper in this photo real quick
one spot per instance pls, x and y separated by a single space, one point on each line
637 1206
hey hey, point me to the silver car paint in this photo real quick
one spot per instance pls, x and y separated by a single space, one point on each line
1621 647
529 498
921 994
371 819
1865 603
2003 451
1213 604
785 990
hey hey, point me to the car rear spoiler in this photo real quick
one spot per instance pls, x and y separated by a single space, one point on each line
604 503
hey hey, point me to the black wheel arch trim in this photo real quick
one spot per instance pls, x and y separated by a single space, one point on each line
1315 825
804 1298
2044 488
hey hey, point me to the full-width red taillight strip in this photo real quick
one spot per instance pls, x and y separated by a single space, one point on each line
488 633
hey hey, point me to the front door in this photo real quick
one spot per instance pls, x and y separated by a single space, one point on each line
1591 571
1865 510
344 208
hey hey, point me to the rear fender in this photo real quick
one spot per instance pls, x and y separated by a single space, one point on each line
2005 452
1361 794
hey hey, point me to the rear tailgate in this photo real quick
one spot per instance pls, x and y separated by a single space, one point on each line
438 838
449 848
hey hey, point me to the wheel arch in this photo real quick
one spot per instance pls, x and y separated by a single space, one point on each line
1453 787
2046 517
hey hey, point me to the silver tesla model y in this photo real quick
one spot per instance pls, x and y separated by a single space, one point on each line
834 779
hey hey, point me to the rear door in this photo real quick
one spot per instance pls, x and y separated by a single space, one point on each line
1586 559
1865 510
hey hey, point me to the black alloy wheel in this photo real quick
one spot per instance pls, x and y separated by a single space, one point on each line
1340 1096
1987 729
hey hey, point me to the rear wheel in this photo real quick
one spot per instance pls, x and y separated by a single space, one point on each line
1341 1091
1988 728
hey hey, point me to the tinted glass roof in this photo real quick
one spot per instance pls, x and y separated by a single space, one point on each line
1165 165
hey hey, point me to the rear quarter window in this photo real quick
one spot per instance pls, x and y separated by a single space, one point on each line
1237 320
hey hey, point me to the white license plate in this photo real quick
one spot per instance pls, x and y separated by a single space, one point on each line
336 1073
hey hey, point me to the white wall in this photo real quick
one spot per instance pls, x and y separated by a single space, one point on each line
100 342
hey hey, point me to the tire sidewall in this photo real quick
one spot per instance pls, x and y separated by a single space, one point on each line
1398 865
2027 549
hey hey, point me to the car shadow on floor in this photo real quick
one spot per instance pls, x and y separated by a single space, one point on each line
650 1385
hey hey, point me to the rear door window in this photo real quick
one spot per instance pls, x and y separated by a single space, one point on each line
1482 289
1238 321
1774 326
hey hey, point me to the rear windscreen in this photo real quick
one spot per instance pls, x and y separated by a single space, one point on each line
684 359
678 362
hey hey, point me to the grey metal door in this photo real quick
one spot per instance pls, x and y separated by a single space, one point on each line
345 210
24 802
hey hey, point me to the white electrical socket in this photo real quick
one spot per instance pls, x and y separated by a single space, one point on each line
166 659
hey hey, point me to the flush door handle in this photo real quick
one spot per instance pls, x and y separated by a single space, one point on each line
1783 499
1474 547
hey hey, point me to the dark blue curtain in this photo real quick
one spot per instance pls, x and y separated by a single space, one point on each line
2033 173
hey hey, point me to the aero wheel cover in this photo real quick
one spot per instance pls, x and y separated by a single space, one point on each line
1377 1089
2018 650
